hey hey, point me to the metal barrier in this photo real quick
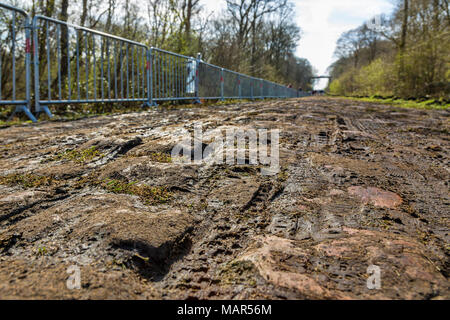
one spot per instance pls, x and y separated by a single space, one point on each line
231 81
173 76
106 68
74 64
211 84
15 57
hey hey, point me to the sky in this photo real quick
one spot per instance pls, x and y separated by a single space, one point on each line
322 22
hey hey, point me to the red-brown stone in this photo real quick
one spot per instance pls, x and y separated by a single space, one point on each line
375 196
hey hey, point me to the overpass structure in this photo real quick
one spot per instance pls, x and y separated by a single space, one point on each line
321 77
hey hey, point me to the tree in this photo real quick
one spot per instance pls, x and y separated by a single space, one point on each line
247 15
64 16
413 45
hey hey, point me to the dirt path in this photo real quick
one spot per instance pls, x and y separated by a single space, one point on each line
360 185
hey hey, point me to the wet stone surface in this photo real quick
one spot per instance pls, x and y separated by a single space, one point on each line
360 185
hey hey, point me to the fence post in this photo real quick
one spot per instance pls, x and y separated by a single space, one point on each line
28 28
222 85
26 107
239 84
197 79
38 107
261 88
251 88
150 102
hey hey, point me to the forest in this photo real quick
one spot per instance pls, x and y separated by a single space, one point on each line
405 54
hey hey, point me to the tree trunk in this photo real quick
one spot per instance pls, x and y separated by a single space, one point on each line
402 44
188 20
111 5
84 13
46 9
64 15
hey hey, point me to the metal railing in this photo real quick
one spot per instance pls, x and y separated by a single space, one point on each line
173 76
15 58
74 64
91 66
211 84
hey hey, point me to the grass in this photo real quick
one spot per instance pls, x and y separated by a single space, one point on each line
4 124
78 156
238 272
226 102
283 175
27 181
148 194
431 104
161 157
41 251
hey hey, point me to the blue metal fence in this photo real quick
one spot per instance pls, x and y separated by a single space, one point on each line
15 59
74 64
99 67
173 76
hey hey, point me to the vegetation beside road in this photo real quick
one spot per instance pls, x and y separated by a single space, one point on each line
406 55
398 102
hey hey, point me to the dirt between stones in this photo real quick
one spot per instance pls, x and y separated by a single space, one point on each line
360 185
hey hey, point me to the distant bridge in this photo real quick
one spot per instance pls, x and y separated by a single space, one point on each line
315 92
321 77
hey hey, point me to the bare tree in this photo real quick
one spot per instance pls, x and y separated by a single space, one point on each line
189 9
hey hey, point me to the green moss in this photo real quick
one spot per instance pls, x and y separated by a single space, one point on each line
79 156
283 175
239 272
27 181
230 101
150 195
428 104
116 186
160 157
118 263
4 124
41 251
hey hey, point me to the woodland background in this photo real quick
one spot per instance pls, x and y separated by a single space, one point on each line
407 56
254 37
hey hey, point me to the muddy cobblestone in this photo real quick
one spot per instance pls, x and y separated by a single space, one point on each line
360 185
